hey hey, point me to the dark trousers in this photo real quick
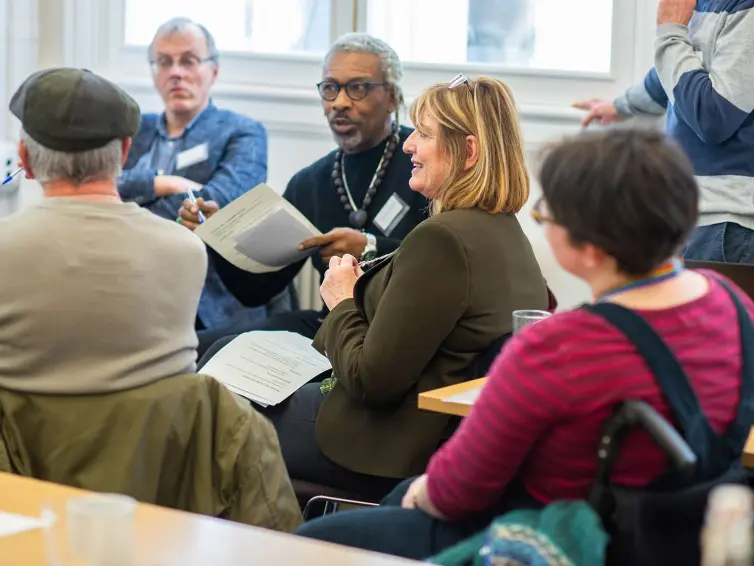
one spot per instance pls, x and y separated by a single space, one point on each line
726 242
294 421
305 323
409 533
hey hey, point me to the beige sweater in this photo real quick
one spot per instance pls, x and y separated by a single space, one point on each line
96 297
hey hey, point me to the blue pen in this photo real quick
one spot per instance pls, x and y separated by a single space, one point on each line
9 178
192 198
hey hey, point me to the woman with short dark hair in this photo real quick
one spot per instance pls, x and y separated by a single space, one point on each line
617 208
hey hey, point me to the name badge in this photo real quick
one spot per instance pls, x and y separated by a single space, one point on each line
391 214
196 154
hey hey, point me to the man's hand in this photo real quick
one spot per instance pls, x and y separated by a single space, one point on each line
675 11
336 243
600 111
188 215
339 280
166 185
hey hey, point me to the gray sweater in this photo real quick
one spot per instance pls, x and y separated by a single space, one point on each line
96 297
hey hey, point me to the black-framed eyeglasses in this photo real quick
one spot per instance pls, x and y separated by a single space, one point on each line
355 90
185 62
539 211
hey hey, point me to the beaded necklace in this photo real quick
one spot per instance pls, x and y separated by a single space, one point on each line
358 217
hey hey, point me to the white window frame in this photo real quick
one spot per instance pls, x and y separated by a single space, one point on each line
91 36
94 29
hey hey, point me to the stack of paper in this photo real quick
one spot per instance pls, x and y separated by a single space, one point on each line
267 367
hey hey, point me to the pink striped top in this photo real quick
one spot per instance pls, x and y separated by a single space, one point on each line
554 385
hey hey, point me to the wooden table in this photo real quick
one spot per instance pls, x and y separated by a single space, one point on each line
437 399
164 537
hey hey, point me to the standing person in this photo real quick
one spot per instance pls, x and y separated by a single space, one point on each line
703 81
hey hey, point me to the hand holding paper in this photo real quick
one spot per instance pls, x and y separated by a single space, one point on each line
258 232
337 242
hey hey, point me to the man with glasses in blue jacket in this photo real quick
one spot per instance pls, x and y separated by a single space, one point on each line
195 146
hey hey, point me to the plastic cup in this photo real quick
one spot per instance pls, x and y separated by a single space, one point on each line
100 529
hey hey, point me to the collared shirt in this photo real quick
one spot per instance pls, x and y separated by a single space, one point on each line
162 154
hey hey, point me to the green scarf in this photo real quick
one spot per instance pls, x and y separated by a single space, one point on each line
565 533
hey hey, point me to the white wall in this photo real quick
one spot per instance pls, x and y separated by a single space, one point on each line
40 33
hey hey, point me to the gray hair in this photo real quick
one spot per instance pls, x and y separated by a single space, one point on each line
392 69
185 25
103 163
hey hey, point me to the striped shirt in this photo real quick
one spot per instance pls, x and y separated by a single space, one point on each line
554 385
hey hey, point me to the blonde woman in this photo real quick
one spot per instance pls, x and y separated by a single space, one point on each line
418 319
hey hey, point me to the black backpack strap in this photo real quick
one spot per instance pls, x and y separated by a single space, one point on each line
665 367
738 431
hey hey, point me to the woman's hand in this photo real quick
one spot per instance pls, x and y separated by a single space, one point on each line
339 280
417 497
188 215
411 499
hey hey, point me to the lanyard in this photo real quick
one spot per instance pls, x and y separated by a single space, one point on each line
664 272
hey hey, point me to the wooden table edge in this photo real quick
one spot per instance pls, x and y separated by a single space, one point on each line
434 400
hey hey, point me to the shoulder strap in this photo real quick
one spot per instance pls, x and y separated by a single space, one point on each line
663 364
738 431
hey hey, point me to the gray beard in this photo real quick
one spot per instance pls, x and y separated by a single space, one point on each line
349 143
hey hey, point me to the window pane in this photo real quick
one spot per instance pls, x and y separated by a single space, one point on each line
267 26
564 35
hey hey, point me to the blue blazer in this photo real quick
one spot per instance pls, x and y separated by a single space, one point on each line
236 162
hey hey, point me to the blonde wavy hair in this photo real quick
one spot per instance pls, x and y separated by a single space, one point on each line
486 109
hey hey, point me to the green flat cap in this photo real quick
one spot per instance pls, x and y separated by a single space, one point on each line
74 110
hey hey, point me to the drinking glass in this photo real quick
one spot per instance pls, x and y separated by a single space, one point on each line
524 318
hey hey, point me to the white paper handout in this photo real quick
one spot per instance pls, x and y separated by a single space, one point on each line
11 524
467 397
259 231
267 367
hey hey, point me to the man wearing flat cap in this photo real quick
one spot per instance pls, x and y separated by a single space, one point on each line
88 304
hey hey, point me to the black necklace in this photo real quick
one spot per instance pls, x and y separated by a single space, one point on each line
358 217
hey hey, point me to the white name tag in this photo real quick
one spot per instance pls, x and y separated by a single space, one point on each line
390 214
196 154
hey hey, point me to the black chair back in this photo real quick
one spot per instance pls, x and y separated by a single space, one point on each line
484 360
660 525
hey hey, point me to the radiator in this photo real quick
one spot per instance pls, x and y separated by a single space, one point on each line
307 287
